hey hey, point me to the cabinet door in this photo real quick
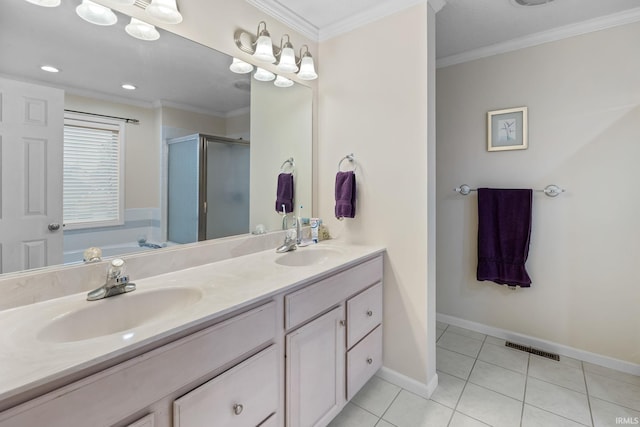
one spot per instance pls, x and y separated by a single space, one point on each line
315 371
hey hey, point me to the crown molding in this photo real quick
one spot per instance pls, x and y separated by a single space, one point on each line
437 5
592 25
287 17
376 13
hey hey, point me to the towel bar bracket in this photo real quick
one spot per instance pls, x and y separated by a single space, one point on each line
550 190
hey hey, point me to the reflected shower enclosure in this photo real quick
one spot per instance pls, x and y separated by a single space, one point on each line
208 188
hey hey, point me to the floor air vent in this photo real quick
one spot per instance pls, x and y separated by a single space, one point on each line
532 350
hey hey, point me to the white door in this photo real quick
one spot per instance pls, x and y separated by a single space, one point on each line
316 371
31 138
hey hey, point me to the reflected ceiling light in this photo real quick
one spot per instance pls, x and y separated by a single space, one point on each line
240 67
259 45
45 3
123 2
532 2
282 81
95 13
49 69
263 75
128 86
287 63
164 11
307 68
141 30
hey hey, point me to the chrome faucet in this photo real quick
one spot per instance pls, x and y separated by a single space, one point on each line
116 282
289 243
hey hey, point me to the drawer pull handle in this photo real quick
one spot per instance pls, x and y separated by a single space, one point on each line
237 408
342 323
369 361
369 313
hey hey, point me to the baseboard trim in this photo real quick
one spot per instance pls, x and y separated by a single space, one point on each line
563 350
409 384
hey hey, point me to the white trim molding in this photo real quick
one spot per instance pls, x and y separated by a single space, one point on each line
563 350
296 22
596 24
409 384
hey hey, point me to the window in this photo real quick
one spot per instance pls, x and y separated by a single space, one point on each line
93 190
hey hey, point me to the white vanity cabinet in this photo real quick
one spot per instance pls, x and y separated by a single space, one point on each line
334 343
152 381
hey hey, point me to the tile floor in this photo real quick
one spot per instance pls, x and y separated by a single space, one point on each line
483 383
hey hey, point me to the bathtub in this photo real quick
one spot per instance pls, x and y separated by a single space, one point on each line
72 257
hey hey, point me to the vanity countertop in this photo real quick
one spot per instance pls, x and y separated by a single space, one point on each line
28 362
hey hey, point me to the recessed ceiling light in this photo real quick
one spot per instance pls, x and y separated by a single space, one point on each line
128 87
49 69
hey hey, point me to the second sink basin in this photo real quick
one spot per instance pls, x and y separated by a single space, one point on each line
117 314
305 257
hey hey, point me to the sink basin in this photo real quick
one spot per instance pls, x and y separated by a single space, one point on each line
118 314
306 257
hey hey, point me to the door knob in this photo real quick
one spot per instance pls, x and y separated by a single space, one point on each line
54 226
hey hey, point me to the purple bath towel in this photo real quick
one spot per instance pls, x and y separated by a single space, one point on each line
284 193
345 195
504 231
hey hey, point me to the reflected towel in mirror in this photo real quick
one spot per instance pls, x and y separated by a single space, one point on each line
284 193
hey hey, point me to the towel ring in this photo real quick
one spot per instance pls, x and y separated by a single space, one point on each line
350 158
290 162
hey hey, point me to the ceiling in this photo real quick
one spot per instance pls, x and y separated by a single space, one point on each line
95 61
461 25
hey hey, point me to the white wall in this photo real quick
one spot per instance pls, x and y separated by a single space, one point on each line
372 109
584 120
272 143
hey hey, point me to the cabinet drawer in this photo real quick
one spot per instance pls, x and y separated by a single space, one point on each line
243 396
364 312
363 361
308 302
109 396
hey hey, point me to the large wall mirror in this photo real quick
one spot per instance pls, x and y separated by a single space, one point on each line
192 153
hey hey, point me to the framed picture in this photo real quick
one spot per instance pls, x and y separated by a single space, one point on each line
507 129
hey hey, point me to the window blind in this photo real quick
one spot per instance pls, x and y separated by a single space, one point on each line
92 190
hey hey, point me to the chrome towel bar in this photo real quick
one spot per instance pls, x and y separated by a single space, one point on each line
550 190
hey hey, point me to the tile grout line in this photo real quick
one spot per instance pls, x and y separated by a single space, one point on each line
390 405
524 396
586 387
455 408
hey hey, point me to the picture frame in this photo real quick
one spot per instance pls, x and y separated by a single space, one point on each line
507 129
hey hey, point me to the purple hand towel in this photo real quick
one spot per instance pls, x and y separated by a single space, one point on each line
504 231
345 195
284 193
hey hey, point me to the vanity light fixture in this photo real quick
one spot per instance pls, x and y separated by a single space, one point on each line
260 46
287 62
263 75
238 66
49 69
45 3
165 11
307 68
282 81
96 13
141 30
128 86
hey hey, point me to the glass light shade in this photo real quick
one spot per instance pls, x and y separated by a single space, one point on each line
96 13
263 75
141 30
124 2
307 69
264 48
164 11
45 3
283 82
240 67
287 62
